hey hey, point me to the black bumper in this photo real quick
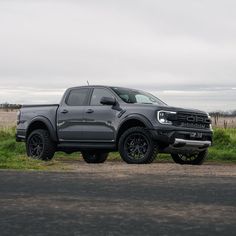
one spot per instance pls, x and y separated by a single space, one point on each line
182 137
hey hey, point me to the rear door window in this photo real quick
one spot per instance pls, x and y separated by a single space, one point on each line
78 97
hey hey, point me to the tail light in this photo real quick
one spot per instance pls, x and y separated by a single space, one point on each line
18 117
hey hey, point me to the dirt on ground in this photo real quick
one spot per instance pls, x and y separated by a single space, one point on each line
119 169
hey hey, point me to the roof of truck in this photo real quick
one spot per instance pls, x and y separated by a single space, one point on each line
101 86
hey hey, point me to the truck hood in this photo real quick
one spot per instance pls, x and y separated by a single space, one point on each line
187 110
172 108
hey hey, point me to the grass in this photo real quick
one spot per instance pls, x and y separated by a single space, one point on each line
224 148
12 154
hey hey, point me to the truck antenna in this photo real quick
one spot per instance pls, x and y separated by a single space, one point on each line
87 82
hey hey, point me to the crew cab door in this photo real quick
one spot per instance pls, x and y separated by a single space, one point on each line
71 114
99 120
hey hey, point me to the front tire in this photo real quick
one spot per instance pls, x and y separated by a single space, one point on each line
94 157
137 147
190 159
40 146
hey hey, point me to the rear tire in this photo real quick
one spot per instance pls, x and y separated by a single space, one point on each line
137 147
194 159
40 146
94 157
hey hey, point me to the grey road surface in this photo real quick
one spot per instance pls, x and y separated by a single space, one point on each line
120 199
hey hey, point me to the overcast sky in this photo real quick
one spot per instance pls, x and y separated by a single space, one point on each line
182 51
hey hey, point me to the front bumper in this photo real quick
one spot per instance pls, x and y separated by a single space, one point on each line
182 140
193 143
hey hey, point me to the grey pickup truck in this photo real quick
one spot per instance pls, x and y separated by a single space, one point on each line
96 120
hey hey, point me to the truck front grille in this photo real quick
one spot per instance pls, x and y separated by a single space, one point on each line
192 120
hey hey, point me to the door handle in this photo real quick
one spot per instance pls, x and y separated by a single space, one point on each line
64 111
90 111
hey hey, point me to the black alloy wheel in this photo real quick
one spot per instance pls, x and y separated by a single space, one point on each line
137 147
40 146
35 146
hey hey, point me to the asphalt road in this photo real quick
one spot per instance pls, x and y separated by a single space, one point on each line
126 200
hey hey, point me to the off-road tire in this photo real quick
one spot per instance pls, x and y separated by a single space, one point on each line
94 157
198 159
47 146
150 151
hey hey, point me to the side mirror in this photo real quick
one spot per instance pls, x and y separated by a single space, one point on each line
108 101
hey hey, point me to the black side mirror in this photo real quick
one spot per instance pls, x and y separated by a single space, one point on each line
108 101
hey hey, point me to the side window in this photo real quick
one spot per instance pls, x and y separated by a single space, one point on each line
78 97
142 98
98 93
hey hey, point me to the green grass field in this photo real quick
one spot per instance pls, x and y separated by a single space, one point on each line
12 154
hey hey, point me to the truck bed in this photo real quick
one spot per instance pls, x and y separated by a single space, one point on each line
31 112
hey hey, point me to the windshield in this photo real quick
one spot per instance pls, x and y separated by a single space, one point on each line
136 96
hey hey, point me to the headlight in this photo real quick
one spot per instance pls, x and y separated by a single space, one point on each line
209 117
211 128
162 117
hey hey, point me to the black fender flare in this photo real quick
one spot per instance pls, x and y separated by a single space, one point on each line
47 123
138 117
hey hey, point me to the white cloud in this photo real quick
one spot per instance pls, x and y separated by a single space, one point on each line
169 45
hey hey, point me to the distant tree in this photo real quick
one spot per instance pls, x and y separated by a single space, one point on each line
234 113
223 113
7 106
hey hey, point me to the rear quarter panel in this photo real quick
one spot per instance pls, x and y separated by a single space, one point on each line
33 113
